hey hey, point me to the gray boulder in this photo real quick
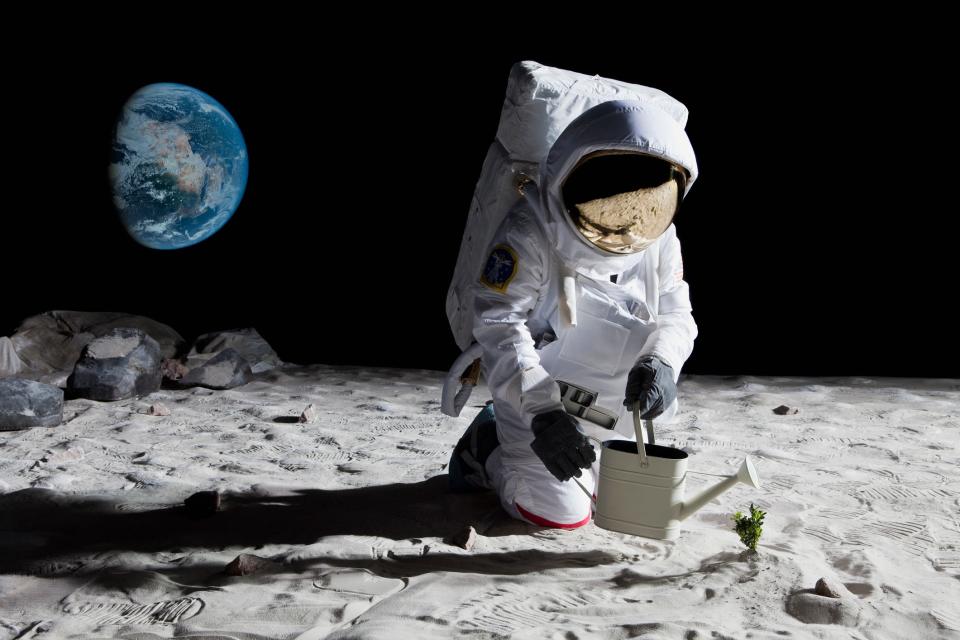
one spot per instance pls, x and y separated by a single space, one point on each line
45 347
124 363
223 370
247 342
27 403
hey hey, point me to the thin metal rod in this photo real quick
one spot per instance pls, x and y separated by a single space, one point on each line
648 424
637 429
589 495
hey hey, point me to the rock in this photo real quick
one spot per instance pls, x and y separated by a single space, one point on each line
309 414
49 344
27 403
63 453
10 363
159 410
465 538
830 588
173 369
816 609
784 410
247 342
246 564
224 370
203 503
122 364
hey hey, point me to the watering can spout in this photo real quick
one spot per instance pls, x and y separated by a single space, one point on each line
747 475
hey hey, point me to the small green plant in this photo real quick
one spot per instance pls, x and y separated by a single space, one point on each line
749 528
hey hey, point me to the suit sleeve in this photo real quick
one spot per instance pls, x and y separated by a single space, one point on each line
672 340
506 291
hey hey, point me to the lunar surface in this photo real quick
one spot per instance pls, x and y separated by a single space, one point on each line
344 520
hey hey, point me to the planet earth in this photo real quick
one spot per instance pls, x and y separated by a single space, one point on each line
179 166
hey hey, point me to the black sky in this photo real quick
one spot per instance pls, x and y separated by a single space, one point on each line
818 240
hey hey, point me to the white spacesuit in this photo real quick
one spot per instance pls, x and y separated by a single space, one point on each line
556 332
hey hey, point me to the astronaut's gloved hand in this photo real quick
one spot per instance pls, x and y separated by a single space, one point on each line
560 444
650 383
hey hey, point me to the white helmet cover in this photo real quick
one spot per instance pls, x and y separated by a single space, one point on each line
618 125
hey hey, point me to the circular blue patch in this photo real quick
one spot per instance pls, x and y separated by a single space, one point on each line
500 268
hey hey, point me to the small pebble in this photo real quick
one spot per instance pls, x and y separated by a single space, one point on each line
309 414
246 564
158 409
784 410
173 369
830 588
465 539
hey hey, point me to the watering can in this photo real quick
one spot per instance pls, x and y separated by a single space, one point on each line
644 494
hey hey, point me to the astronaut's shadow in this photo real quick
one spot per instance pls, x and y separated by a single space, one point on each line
49 530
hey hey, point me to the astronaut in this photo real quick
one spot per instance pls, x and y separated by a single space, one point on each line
581 312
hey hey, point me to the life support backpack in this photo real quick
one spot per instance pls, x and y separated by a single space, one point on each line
540 102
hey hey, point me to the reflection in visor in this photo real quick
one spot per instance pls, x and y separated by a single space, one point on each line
623 201
627 222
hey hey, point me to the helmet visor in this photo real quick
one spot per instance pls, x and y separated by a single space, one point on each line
622 202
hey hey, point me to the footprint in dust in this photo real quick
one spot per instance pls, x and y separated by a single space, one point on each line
507 609
121 597
165 612
946 619
824 534
894 493
853 563
327 455
360 582
912 537
838 513
780 484
946 559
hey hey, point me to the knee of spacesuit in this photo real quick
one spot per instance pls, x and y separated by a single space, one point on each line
541 499
561 522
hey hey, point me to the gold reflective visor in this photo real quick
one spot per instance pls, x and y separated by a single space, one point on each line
627 222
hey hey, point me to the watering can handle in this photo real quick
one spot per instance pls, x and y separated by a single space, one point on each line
641 450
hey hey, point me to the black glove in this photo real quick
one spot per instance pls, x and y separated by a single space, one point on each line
561 446
650 383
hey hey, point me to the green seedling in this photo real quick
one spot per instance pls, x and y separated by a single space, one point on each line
749 528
